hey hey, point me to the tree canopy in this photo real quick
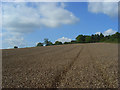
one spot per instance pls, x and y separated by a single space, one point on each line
80 39
39 44
15 46
47 42
114 38
58 43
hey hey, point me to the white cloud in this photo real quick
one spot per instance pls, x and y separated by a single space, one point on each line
19 18
0 34
98 33
54 16
14 40
109 32
109 8
64 39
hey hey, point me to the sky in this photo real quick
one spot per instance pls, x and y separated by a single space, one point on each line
26 23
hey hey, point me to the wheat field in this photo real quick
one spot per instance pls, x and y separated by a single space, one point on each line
62 66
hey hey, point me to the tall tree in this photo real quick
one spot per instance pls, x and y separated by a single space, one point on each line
97 37
101 36
87 39
92 38
80 39
47 42
39 44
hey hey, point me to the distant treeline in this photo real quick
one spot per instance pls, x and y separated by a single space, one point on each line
94 38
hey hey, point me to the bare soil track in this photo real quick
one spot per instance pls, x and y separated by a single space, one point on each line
62 66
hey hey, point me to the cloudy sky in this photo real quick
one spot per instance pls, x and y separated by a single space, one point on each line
26 23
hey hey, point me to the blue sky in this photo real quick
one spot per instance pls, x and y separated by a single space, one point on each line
83 19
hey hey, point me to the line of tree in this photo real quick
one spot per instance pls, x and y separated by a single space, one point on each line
49 43
115 38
